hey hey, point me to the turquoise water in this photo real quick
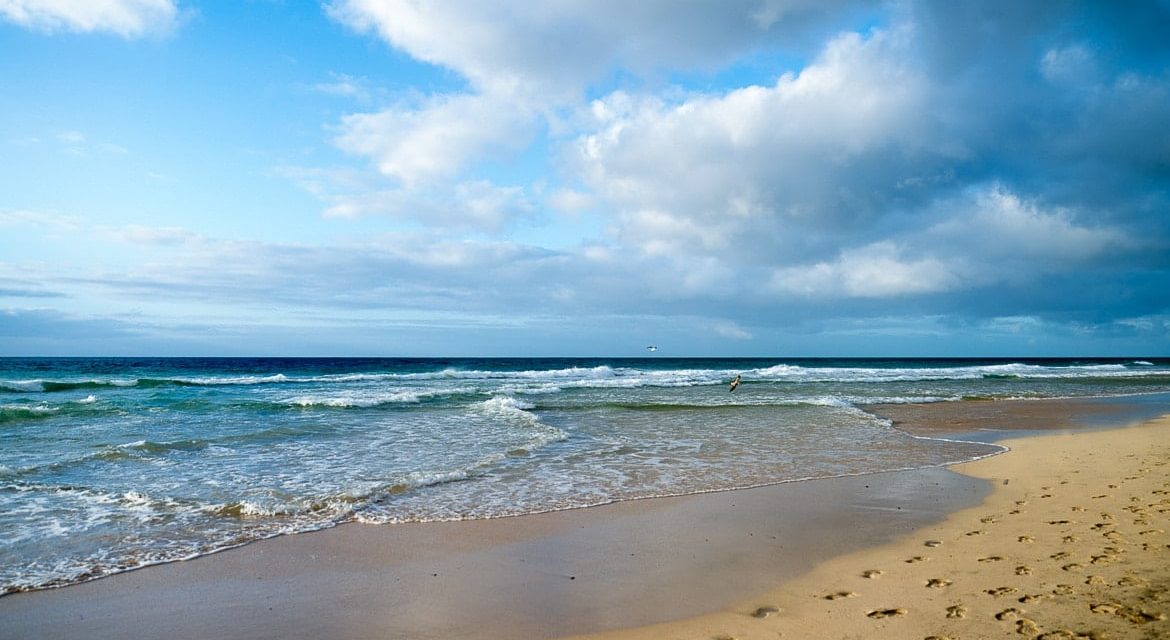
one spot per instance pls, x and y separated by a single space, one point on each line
112 464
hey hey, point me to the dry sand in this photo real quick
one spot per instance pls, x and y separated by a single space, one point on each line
1072 543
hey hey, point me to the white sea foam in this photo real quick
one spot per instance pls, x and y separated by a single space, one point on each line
32 410
357 400
236 380
23 385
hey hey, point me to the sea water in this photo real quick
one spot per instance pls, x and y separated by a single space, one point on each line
112 464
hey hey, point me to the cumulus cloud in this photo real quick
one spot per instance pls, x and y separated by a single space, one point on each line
435 140
126 18
813 149
526 66
553 51
878 270
1002 228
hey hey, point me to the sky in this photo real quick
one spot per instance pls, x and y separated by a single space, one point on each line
584 178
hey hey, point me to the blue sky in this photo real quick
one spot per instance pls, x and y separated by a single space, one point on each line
746 178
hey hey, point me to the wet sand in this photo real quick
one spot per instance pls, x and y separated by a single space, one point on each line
1072 543
641 563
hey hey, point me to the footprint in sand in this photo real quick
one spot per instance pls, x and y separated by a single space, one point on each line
1026 539
1093 581
1014 512
840 594
887 613
1150 532
1073 567
934 543
1063 590
764 612
916 559
1079 509
988 519
956 611
1047 495
1070 539
977 532
1001 591
1010 613
936 638
1103 495
1102 559
872 573
1023 570
1031 597
1026 627
1132 581
1059 522
1059 556
1021 502
1135 615
938 583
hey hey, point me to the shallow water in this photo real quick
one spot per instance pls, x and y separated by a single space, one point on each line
110 464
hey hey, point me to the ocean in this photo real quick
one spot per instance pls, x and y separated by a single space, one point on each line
109 464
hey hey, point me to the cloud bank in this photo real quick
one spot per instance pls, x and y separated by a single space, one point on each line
747 172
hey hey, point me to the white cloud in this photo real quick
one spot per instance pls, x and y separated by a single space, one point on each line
1003 230
878 270
436 140
533 63
815 150
127 18
571 201
551 51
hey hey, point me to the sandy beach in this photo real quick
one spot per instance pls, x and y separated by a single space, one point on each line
1072 543
1062 537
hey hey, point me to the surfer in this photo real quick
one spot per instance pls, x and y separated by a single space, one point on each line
735 383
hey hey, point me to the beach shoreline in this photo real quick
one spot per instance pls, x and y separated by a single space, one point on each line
1070 544
620 566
